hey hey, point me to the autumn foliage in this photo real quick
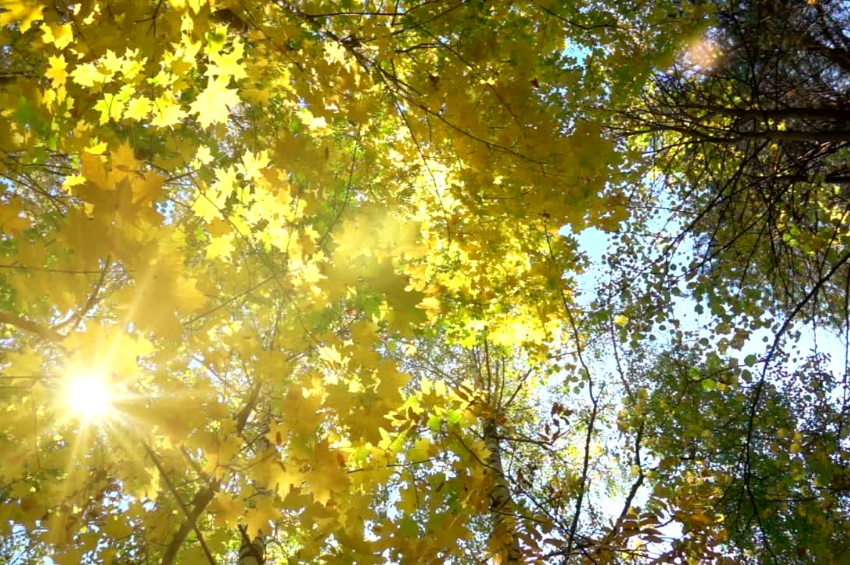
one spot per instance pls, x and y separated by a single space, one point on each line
308 281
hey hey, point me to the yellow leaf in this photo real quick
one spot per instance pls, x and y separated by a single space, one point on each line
195 5
27 362
168 111
430 304
277 433
220 247
96 148
56 72
147 188
310 273
228 510
204 208
334 52
93 168
440 388
111 107
117 527
111 62
227 64
124 162
224 186
87 74
260 516
331 355
327 475
204 156
252 164
187 296
138 108
11 220
314 124
212 104
58 35
70 556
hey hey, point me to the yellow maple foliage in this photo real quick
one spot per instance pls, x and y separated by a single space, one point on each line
232 234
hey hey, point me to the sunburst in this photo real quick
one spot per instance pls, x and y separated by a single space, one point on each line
89 397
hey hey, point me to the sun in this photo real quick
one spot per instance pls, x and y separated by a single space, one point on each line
89 397
704 53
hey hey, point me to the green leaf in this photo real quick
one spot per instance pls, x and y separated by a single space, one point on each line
435 422
409 527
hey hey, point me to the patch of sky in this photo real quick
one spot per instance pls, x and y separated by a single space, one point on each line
577 52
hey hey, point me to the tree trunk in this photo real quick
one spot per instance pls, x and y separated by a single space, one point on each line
504 537
253 553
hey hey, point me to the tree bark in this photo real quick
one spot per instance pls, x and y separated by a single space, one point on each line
252 552
199 503
204 496
502 511
832 114
732 137
32 327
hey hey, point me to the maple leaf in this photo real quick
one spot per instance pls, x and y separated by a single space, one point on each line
227 64
138 108
205 208
310 273
87 74
147 188
313 123
58 35
220 247
277 433
117 526
195 5
11 218
334 52
228 510
204 155
211 105
431 305
111 107
167 112
327 475
186 296
252 164
401 207
56 72
264 512
331 355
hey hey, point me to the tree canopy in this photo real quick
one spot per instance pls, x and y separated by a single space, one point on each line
430 281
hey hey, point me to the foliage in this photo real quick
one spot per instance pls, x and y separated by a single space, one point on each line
299 281
746 141
755 117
